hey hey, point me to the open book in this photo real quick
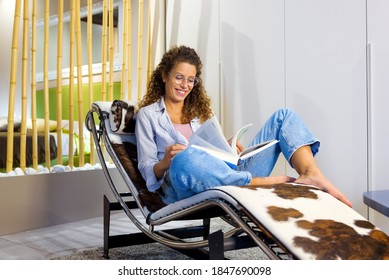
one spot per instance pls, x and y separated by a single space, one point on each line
210 138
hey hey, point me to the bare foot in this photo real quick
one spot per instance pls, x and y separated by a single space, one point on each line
323 183
309 173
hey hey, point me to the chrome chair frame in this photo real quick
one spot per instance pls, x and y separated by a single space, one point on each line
245 231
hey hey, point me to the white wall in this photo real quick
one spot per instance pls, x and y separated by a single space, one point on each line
252 58
378 23
326 83
303 55
252 62
196 24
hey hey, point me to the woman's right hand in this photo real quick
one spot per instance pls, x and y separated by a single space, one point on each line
170 152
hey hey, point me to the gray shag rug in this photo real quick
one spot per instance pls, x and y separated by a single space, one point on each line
155 251
138 252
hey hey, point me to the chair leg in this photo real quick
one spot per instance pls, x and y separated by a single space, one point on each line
207 227
216 245
107 221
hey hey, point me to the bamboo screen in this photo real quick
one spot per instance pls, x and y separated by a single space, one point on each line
76 79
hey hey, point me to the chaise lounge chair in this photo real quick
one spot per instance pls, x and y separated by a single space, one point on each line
285 221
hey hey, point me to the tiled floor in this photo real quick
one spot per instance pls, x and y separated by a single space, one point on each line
61 240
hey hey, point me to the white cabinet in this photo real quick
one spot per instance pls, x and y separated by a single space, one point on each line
378 42
325 78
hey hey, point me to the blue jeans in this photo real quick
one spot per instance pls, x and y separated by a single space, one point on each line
193 171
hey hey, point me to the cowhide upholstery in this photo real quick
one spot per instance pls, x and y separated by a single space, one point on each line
311 223
127 155
122 119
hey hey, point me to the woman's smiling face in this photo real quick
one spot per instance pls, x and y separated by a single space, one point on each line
179 82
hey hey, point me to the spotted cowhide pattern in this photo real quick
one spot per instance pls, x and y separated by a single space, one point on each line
311 223
122 117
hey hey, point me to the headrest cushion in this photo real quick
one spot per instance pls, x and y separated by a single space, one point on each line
122 117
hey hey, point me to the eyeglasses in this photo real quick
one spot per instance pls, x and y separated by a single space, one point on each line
179 79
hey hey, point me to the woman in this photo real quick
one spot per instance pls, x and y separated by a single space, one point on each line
176 105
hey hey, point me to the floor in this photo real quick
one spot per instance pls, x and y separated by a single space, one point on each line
61 240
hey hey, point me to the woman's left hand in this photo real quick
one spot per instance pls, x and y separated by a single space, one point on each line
239 147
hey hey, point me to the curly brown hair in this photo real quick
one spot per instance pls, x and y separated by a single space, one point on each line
197 103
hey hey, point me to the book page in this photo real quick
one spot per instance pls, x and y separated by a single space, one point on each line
198 141
227 157
212 133
237 137
250 151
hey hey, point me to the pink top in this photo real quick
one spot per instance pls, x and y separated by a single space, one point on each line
184 129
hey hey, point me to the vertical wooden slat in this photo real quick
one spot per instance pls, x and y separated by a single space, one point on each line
111 49
33 88
148 66
104 52
46 81
124 50
71 85
12 86
129 51
140 41
90 74
104 56
59 81
81 151
23 129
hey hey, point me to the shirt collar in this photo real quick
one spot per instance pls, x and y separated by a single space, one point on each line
161 105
